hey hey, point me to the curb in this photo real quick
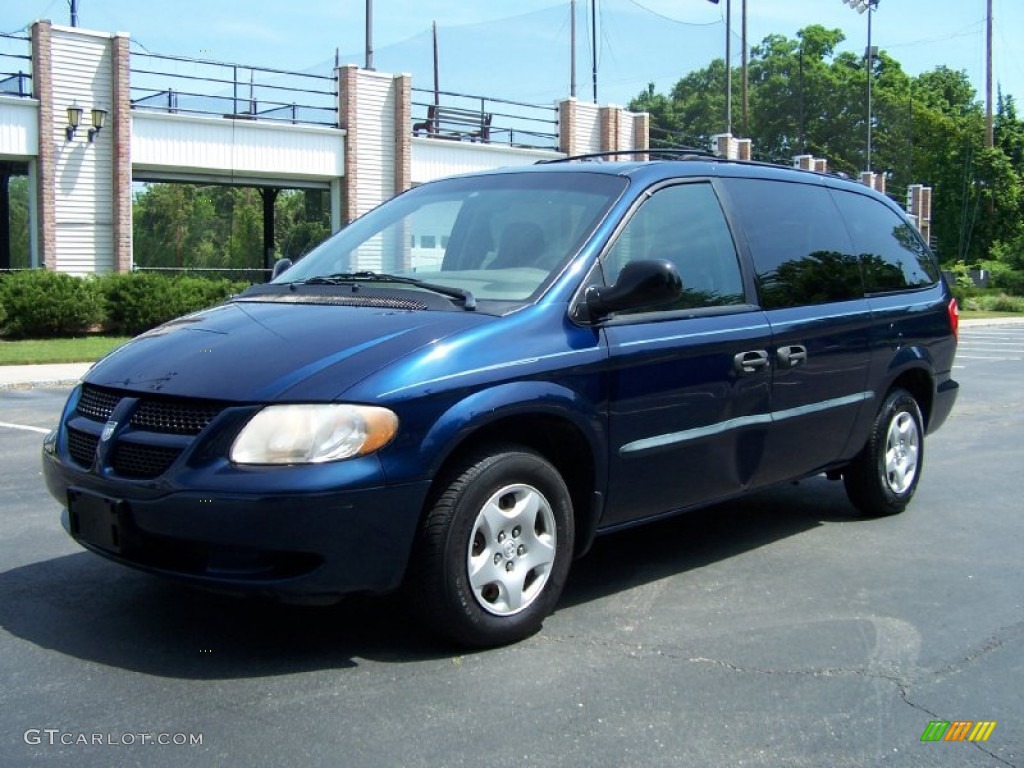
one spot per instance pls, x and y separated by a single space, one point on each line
987 322
7 386
44 375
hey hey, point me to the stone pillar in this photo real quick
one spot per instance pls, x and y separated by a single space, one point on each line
45 235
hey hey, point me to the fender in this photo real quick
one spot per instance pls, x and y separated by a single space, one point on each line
491 405
905 358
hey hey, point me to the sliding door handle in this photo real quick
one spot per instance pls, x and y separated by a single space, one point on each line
747 363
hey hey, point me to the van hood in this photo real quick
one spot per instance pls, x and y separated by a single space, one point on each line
265 352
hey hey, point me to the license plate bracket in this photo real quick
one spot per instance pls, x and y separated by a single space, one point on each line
97 520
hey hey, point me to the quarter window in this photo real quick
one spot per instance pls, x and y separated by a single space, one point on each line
892 253
685 225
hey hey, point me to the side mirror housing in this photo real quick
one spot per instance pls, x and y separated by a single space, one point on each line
280 266
640 284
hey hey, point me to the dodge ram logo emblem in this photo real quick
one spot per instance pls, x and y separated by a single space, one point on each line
108 430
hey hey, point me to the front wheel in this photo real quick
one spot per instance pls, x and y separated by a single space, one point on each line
883 477
495 548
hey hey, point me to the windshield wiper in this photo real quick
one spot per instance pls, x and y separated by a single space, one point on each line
344 278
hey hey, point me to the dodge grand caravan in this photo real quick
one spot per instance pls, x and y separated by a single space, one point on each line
457 392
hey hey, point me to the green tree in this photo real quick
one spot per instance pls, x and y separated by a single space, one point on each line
19 222
807 98
218 226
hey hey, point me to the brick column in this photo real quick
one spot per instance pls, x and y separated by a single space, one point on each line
42 90
641 132
609 117
403 133
121 136
567 126
346 119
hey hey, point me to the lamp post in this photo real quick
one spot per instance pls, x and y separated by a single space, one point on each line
860 6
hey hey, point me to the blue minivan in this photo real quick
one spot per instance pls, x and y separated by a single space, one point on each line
457 392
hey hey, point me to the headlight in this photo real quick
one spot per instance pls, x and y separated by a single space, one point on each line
310 434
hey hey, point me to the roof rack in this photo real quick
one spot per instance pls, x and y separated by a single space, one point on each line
674 153
682 153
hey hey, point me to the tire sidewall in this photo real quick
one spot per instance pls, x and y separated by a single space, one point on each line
495 472
898 402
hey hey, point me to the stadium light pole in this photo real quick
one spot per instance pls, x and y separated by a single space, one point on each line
369 34
870 6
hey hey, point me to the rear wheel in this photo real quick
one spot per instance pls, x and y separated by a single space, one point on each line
495 548
882 479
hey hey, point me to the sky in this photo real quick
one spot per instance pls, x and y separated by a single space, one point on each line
521 51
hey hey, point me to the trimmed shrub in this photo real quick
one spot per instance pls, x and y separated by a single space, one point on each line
964 296
993 302
43 304
138 301
1009 280
1003 303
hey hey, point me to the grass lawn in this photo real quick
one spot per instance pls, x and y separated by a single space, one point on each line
978 314
83 350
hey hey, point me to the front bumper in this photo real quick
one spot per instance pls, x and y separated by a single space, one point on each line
289 544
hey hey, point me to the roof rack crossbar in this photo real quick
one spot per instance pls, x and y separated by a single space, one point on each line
674 153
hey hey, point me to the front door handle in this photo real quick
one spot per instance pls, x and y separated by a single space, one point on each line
792 356
746 363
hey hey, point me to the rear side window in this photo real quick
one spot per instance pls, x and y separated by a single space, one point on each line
801 251
685 225
893 255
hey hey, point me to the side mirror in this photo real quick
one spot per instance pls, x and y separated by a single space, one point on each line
280 266
640 284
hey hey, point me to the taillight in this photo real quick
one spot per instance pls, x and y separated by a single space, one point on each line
954 318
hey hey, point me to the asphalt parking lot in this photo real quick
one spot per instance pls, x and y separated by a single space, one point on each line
780 630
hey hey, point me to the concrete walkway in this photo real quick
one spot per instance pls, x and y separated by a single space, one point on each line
50 375
67 374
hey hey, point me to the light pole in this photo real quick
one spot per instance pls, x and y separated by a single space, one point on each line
860 6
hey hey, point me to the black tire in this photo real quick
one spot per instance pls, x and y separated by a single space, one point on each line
474 548
882 479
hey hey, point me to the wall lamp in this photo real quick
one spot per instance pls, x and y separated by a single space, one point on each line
74 118
99 118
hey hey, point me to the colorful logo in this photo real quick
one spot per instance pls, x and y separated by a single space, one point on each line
958 730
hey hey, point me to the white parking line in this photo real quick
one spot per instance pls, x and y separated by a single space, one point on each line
983 357
990 348
1006 336
24 427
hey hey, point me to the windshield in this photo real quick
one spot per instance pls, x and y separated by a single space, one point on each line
499 237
